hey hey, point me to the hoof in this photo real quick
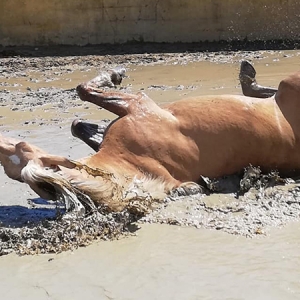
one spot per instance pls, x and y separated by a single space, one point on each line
247 71
91 134
249 85
117 75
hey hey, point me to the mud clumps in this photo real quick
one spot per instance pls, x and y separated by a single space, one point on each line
251 215
68 233
44 106
250 206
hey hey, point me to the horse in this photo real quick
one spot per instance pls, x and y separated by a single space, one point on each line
150 150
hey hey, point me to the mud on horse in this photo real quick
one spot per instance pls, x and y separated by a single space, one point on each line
150 150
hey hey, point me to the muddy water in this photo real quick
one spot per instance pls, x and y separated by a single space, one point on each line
163 262
163 83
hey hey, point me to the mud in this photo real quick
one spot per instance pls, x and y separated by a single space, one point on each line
45 84
253 214
206 254
38 92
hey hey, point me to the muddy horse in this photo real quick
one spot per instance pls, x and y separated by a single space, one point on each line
150 150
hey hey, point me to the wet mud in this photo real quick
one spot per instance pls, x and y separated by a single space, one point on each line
237 241
37 93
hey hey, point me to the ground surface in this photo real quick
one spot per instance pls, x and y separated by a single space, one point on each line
38 100
155 261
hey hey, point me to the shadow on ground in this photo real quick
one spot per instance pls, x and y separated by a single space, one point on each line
17 216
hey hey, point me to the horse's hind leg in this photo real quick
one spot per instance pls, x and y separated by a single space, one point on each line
249 85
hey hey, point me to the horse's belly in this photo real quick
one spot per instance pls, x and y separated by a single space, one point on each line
227 154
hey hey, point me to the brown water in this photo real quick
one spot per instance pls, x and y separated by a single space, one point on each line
170 262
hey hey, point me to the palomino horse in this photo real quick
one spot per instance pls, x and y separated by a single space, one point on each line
151 150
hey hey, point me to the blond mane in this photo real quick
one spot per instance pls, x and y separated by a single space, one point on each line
114 193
